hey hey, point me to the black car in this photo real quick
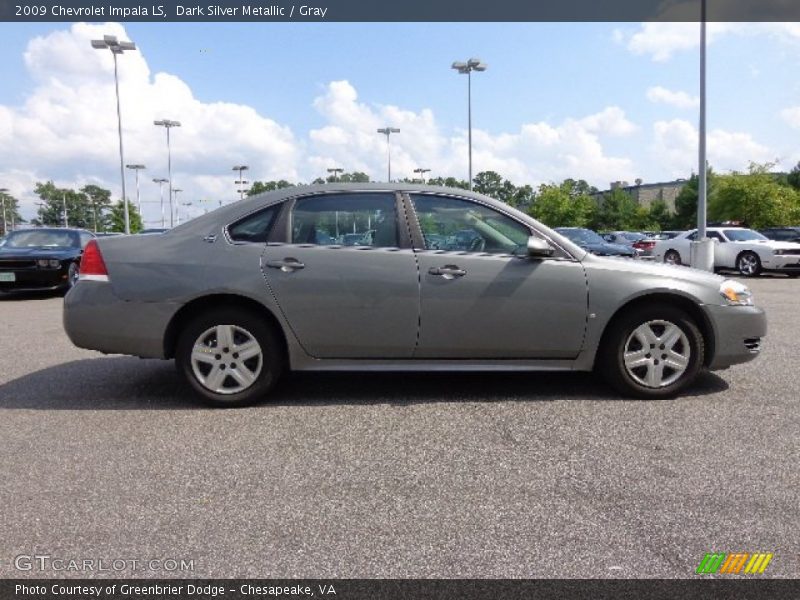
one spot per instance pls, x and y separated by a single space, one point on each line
592 242
782 234
41 259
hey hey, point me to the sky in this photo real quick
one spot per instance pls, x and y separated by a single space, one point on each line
595 101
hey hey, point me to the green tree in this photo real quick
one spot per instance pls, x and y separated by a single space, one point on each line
259 187
617 210
451 182
755 198
489 183
10 208
793 178
54 202
658 216
99 201
554 205
116 218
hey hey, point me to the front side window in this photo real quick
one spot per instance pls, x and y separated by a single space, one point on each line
255 227
85 238
461 225
743 235
362 219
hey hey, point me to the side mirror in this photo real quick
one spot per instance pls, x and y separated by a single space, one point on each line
538 248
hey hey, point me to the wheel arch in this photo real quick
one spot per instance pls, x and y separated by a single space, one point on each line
692 308
221 300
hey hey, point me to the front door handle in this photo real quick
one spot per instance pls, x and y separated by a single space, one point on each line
287 265
447 271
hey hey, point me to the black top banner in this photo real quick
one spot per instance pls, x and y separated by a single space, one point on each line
404 11
397 589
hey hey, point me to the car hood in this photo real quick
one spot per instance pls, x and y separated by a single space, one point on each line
38 252
643 267
774 244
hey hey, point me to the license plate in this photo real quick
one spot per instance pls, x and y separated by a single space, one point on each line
8 276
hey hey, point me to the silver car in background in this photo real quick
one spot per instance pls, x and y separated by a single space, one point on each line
446 280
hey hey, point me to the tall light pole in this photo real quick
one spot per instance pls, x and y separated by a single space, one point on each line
3 198
161 181
241 182
422 172
174 193
110 42
137 168
466 68
64 200
702 249
167 124
335 171
388 131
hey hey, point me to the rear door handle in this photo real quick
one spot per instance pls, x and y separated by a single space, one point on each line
287 265
447 271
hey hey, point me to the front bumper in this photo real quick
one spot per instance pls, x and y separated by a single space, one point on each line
783 262
96 319
738 333
34 280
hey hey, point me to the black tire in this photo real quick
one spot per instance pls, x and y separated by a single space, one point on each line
611 358
245 323
673 257
748 264
72 275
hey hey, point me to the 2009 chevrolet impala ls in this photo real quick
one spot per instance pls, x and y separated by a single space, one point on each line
398 277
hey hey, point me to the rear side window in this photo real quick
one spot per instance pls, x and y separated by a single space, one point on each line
362 219
255 227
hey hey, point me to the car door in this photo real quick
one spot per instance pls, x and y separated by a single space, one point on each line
346 301
481 296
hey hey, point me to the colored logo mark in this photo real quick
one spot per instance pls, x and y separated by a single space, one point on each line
734 563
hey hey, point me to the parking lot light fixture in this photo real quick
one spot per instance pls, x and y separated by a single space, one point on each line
161 181
466 68
110 42
421 172
137 168
388 131
241 182
168 124
335 171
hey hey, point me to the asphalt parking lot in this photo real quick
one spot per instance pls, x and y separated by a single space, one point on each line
441 475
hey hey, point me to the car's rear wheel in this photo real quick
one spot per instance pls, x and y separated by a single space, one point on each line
748 264
652 352
671 257
230 357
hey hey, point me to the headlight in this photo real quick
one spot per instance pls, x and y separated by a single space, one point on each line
54 263
736 293
42 262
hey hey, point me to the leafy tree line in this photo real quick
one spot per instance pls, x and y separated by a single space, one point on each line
757 197
9 209
89 207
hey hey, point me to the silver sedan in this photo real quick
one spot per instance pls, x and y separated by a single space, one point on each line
437 279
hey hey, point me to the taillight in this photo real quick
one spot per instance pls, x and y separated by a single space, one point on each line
645 244
93 267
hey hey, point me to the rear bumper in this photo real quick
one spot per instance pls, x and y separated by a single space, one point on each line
96 319
738 332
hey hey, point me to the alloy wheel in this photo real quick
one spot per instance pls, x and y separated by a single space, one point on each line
656 354
748 264
226 359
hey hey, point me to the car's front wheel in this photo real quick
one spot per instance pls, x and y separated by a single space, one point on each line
652 352
748 264
230 357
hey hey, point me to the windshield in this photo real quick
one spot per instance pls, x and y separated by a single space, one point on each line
581 236
42 239
743 235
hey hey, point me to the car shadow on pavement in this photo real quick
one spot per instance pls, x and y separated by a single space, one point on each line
126 383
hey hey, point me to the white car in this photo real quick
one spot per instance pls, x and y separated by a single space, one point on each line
738 248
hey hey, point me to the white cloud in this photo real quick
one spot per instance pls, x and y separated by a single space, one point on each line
678 99
661 40
792 116
66 128
675 148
